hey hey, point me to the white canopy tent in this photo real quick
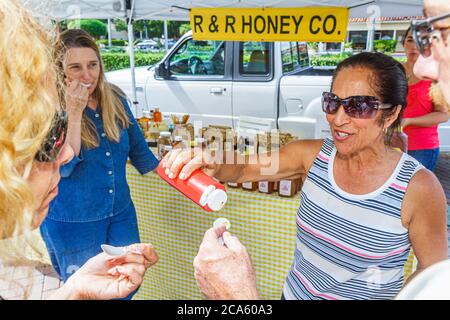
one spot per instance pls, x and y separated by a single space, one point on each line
179 10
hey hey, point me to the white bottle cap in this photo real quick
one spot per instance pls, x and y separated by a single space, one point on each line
214 198
178 138
204 198
217 199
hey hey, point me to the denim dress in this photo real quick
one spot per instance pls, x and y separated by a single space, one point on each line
94 205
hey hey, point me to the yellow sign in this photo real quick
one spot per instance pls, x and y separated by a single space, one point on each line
324 24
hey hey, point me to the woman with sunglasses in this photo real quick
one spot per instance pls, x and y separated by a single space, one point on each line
363 204
432 37
421 116
94 205
33 147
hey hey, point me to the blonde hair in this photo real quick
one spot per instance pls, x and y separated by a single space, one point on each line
26 111
107 95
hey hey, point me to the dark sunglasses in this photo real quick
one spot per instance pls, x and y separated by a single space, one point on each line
55 139
362 107
422 32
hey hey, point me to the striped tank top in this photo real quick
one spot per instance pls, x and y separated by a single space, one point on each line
349 246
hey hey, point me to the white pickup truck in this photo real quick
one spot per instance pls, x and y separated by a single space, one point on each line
219 82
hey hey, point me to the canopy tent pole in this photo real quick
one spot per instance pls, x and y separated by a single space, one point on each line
371 35
130 7
166 44
109 33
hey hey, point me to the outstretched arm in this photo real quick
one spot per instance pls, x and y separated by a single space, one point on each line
290 161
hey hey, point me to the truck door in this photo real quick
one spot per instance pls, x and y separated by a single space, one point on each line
254 84
199 82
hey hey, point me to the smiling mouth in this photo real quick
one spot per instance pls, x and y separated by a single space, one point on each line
340 135
86 85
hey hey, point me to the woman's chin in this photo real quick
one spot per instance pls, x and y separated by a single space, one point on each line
344 147
39 217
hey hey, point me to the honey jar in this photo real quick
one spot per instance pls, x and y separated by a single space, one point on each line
250 186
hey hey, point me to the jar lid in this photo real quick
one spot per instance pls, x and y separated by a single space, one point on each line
165 134
178 138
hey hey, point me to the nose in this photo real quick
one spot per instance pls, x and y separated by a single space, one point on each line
340 117
66 154
86 75
426 67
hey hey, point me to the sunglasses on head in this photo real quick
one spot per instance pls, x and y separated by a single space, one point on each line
423 32
55 139
362 107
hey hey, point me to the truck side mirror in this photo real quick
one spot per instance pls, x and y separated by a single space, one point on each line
162 70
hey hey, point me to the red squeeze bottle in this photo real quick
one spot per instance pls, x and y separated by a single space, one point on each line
200 188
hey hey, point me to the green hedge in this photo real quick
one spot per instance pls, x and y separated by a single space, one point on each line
116 61
331 60
327 60
385 45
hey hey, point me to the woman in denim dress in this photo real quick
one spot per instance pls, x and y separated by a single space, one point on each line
94 205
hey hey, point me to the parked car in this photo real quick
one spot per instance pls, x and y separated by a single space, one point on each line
171 43
147 45
218 82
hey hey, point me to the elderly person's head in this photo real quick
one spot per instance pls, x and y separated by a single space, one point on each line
32 149
434 61
31 129
368 93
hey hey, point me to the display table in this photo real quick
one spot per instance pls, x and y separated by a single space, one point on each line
175 225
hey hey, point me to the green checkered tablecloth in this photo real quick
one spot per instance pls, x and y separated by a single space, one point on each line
175 225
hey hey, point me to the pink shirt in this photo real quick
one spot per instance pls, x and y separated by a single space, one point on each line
419 104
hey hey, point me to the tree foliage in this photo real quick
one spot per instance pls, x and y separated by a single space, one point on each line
95 28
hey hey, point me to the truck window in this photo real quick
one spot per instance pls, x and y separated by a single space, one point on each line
196 58
294 56
254 58
287 57
302 54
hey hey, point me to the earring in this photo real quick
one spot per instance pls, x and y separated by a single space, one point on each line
385 130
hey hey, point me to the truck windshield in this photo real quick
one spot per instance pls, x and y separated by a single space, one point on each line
198 58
